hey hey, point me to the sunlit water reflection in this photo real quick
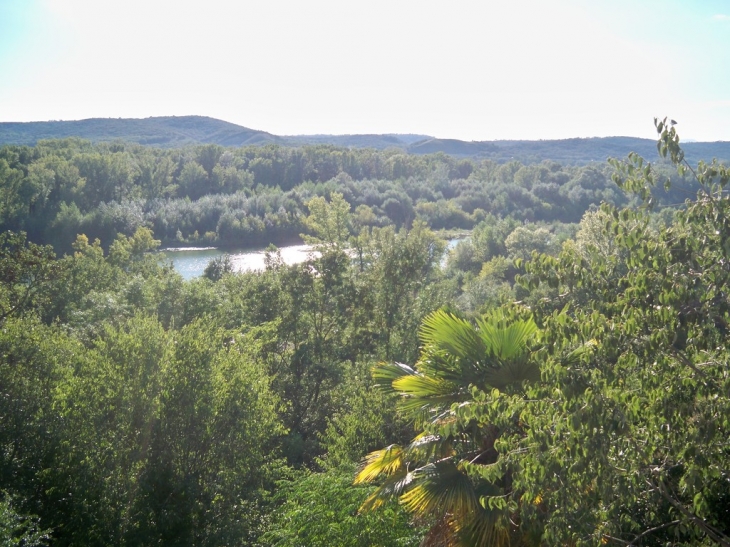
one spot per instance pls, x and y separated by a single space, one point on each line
190 262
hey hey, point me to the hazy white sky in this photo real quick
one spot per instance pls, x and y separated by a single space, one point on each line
467 69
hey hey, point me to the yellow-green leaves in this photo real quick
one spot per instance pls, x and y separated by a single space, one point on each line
385 461
330 221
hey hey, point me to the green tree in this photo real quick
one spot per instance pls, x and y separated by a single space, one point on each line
523 241
218 267
10 182
27 272
628 445
174 437
329 221
131 252
399 274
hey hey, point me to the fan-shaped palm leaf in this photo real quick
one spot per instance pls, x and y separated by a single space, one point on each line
512 372
386 461
426 447
385 373
505 341
453 335
424 395
440 488
392 488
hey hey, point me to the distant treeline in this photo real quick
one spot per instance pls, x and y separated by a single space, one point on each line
252 196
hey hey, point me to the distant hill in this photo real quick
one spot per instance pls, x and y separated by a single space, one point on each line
166 131
567 151
174 131
358 141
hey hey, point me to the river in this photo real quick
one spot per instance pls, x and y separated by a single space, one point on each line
190 262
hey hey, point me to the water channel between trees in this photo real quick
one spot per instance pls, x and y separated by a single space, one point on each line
190 262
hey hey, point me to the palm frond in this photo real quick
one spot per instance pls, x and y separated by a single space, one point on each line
437 476
441 534
438 363
386 461
439 488
427 447
425 387
385 373
453 335
484 527
392 488
425 397
505 341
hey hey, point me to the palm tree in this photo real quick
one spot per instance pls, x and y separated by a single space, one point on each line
448 473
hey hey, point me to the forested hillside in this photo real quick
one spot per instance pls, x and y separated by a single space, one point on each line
253 196
176 131
561 380
166 131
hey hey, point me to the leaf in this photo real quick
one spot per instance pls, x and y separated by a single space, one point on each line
506 342
513 372
393 487
385 373
440 487
385 461
452 334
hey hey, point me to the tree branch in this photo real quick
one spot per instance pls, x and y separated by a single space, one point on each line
713 533
652 530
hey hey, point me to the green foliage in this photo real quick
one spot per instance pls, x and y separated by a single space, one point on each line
256 195
320 509
126 250
627 444
218 267
365 418
148 436
330 222
400 271
27 272
138 409
523 241
18 530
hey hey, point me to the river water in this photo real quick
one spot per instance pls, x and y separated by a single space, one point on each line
190 262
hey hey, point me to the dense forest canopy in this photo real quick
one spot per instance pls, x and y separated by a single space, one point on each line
561 380
256 195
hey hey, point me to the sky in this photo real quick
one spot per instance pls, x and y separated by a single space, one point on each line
463 69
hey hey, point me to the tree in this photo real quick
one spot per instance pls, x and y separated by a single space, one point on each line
523 241
628 445
27 272
446 473
398 271
172 436
218 267
130 252
330 222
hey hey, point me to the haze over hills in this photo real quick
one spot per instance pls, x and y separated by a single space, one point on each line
176 131
164 131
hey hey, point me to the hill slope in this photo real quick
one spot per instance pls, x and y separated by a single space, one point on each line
174 131
166 131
